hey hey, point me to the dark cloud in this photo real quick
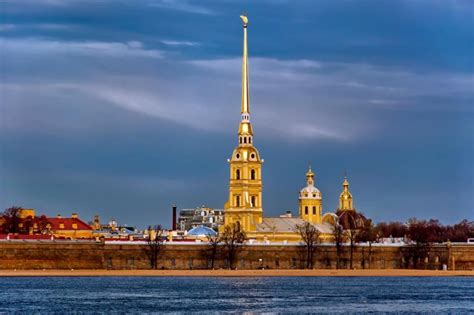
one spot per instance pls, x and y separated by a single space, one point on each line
124 108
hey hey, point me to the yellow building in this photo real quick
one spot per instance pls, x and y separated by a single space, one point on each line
310 201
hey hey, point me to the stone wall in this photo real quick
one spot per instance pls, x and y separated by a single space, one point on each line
97 255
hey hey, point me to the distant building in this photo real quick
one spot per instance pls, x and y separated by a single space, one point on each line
208 217
112 230
28 223
69 228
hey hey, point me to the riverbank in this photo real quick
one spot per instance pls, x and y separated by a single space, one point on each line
237 273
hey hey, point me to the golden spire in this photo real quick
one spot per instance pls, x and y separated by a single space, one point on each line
310 176
245 128
245 110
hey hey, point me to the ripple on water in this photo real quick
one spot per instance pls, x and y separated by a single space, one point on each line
217 295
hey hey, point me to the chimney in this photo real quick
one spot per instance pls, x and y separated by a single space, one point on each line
74 215
58 216
173 225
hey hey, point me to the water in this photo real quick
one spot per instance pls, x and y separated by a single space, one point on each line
236 295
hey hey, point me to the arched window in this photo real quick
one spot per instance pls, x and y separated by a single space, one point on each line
237 174
252 201
245 139
240 139
306 210
237 201
252 174
250 139
314 210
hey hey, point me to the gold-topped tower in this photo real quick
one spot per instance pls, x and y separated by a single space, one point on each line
244 205
310 200
345 199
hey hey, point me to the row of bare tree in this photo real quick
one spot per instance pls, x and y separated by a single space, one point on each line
227 244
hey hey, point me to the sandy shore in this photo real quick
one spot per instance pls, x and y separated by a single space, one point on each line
235 273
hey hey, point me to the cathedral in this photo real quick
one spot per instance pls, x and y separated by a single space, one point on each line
244 206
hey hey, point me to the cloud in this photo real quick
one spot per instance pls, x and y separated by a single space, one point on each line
7 27
181 5
179 43
298 99
93 48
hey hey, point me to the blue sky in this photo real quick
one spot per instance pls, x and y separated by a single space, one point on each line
123 108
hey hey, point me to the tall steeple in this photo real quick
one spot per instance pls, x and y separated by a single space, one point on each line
245 109
245 127
244 205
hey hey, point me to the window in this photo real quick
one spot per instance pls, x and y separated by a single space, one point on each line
237 174
61 225
240 139
237 155
252 155
305 210
314 210
252 201
245 139
237 201
252 174
74 226
250 139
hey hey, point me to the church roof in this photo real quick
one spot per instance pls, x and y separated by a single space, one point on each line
350 219
202 230
283 225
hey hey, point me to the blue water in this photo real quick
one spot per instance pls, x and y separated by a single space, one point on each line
236 295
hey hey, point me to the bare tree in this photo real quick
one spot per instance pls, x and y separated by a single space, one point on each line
338 235
44 227
232 238
11 220
352 237
368 234
310 236
212 251
421 238
154 244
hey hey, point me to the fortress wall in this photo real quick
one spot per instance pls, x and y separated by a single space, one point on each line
96 255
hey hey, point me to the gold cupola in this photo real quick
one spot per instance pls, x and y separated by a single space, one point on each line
345 199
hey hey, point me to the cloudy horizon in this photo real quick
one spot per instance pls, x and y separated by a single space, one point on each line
123 108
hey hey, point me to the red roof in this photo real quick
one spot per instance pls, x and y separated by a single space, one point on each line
67 224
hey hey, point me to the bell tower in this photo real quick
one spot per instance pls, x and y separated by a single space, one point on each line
310 201
345 199
244 205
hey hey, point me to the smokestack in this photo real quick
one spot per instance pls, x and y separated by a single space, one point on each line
173 225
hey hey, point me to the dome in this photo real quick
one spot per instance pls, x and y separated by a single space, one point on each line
245 154
351 219
310 192
202 231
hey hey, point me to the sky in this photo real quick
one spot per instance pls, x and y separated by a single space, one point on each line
124 108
